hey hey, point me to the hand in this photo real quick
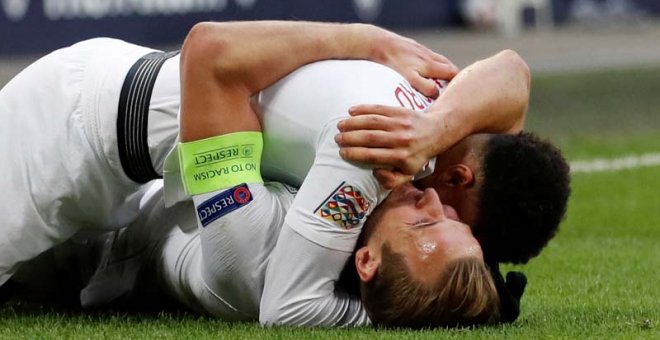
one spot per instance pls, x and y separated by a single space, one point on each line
392 138
391 179
415 62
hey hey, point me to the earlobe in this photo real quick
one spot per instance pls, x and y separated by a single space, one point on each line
366 264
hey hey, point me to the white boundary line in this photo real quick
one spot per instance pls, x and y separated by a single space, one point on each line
616 164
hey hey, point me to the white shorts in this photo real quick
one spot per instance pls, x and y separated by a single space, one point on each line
60 168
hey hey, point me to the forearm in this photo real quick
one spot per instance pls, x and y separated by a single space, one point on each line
259 53
223 64
489 96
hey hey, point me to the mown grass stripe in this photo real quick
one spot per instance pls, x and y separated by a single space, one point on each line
616 164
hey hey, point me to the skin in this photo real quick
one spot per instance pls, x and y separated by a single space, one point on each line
418 226
454 131
458 176
401 141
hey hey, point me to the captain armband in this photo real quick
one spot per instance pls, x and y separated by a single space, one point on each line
221 162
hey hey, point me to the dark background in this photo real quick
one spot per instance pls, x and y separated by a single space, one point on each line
36 27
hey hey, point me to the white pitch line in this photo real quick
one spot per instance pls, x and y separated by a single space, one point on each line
616 164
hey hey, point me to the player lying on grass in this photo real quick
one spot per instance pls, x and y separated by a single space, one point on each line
85 127
161 89
223 271
247 260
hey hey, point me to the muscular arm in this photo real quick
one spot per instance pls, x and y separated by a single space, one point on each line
223 64
490 96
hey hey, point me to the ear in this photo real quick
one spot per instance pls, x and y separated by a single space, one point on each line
366 264
459 175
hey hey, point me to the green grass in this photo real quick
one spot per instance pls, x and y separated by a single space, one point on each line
598 279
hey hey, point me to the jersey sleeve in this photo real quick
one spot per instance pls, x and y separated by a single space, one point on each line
238 228
318 236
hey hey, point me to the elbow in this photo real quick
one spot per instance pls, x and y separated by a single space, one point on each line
517 66
522 78
204 47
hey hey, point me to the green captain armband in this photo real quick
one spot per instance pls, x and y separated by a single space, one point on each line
221 162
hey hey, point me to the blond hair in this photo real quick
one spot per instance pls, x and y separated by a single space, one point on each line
464 294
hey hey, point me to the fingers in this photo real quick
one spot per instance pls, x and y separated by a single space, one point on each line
441 71
424 86
382 157
393 129
441 58
373 139
438 69
376 109
423 78
438 66
390 178
367 121
444 60
375 156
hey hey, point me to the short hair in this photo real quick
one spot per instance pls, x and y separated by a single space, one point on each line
523 197
463 295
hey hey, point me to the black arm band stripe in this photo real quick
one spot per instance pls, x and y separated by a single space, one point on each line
133 116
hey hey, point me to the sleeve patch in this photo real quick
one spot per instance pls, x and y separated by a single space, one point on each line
223 203
345 206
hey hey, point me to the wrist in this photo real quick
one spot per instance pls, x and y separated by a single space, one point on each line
371 41
449 128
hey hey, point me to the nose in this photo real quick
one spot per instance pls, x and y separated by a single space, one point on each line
430 201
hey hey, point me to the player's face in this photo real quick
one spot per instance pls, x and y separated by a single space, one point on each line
427 233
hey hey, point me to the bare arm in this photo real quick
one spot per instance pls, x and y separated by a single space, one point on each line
223 64
489 96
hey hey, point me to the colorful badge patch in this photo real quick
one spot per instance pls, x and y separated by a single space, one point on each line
223 203
345 206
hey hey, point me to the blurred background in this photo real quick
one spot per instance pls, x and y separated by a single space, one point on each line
551 34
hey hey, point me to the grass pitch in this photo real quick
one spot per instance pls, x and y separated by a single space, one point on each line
598 279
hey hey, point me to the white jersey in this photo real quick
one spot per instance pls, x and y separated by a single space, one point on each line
335 197
61 170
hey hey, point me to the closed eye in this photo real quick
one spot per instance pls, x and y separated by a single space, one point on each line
424 223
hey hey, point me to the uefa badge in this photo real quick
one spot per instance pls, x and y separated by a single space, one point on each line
345 206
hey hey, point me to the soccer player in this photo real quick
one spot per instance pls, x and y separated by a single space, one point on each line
84 127
252 258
